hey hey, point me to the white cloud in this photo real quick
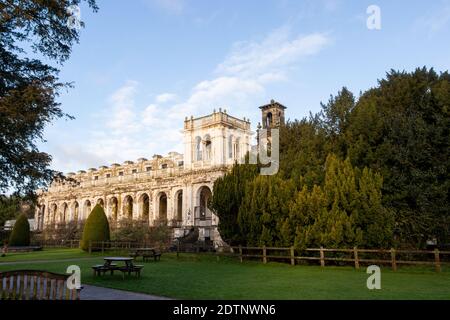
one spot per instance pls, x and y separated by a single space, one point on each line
241 79
273 53
165 97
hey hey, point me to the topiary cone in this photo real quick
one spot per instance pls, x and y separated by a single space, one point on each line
96 228
20 235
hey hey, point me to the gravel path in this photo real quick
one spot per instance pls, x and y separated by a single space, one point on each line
99 293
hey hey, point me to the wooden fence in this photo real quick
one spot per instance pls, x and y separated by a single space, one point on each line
355 256
57 243
123 246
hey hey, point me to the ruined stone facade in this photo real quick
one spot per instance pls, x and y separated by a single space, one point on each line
172 190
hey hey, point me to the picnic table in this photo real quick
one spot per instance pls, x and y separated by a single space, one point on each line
127 266
145 253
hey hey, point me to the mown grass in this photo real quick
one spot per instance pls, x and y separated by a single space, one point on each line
201 276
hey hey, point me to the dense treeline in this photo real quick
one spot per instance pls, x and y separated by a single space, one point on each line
369 171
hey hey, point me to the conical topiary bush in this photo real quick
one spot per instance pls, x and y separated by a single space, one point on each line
20 235
96 228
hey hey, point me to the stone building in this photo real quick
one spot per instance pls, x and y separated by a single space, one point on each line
172 190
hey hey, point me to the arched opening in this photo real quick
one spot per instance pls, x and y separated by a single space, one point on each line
204 195
269 120
63 214
87 209
230 147
208 144
144 202
163 208
198 149
113 209
52 213
179 205
128 207
76 211
237 149
101 202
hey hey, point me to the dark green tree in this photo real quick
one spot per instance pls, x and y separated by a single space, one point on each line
401 128
264 208
20 235
96 228
228 192
29 88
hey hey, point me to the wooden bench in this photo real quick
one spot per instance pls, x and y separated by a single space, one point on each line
36 285
136 269
100 269
146 254
154 254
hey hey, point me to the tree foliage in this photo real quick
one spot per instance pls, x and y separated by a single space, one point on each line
96 227
29 88
20 235
228 192
372 171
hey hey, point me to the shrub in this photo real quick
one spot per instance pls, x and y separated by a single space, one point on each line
128 230
20 236
96 228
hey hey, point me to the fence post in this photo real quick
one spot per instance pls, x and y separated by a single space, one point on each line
355 255
90 246
322 257
264 254
393 260
437 261
240 253
292 256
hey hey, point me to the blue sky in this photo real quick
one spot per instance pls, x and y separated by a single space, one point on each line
143 65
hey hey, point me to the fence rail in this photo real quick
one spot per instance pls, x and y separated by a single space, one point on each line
294 256
355 256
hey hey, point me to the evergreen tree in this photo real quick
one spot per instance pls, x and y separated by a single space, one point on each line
401 128
96 227
228 192
20 235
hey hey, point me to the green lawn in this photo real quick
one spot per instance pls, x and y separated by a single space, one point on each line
202 277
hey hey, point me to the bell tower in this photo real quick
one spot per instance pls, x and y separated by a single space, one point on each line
272 115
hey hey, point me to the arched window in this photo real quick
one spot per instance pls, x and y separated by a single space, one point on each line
198 148
163 208
269 120
207 147
179 205
113 209
144 207
237 149
128 207
230 147
76 211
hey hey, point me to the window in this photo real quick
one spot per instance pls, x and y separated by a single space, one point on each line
236 149
108 175
121 173
95 177
148 169
207 147
269 120
198 148
164 166
134 171
180 163
230 147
